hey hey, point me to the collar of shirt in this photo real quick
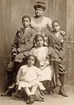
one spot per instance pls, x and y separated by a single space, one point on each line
25 29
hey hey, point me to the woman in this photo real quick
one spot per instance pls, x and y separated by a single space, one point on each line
39 22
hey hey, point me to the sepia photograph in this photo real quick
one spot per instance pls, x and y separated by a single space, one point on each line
37 52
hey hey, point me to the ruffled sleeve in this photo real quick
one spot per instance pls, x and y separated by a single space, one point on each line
49 24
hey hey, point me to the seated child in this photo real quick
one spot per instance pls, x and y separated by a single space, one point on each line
42 54
27 78
57 42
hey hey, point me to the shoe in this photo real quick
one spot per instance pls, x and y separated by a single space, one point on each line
50 91
41 100
3 94
31 97
27 101
62 92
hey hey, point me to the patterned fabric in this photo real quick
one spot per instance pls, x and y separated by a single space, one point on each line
41 25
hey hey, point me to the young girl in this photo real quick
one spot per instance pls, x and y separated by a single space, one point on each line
42 55
27 78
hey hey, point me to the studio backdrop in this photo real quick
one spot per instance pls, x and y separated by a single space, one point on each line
11 12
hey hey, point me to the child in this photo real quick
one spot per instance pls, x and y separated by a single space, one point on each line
27 78
23 41
22 44
42 55
57 42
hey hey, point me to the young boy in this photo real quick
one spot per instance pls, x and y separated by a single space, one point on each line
57 42
22 44
23 41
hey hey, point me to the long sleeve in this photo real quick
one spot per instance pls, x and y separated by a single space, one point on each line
49 24
63 45
15 44
32 51
29 36
28 45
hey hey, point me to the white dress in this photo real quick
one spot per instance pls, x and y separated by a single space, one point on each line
43 59
28 76
42 25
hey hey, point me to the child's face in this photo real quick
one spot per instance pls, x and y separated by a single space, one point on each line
25 22
56 27
39 42
39 12
31 61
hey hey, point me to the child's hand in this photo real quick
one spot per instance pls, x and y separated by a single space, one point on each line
14 54
63 33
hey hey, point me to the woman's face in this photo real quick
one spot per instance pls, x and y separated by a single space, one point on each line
39 12
39 42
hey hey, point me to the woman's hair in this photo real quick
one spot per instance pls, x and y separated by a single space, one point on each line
36 37
40 4
26 16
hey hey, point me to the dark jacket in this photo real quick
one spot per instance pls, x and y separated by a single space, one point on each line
58 43
58 46
23 42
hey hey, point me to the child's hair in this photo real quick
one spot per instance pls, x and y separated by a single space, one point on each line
35 39
26 16
30 56
55 21
38 35
36 62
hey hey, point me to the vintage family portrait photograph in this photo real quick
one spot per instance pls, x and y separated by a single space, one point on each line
37 52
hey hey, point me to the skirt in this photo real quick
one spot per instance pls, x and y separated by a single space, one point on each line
30 84
47 74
